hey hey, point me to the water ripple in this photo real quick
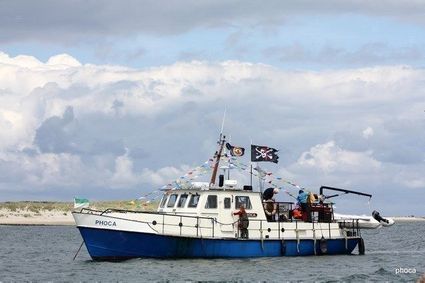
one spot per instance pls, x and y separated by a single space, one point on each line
31 253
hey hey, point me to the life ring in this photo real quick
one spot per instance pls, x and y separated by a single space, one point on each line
267 207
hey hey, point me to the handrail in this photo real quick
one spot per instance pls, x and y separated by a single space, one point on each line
210 224
108 210
163 224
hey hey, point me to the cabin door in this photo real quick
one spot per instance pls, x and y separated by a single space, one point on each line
226 214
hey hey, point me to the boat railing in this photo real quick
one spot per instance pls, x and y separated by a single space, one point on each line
293 229
210 227
165 223
316 212
351 227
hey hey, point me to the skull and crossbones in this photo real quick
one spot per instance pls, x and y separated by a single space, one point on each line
264 153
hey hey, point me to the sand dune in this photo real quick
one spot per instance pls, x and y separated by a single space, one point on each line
56 213
43 217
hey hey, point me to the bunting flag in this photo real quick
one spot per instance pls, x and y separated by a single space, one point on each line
267 176
263 153
234 162
180 183
235 150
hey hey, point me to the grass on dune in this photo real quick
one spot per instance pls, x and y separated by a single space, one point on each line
39 206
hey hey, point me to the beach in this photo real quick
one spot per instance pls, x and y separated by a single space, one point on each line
26 217
55 213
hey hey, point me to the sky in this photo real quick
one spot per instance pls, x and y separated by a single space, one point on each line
113 100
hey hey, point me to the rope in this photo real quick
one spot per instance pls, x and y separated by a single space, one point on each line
78 251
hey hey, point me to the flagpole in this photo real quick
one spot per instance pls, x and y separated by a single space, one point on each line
217 160
228 161
260 178
251 175
251 164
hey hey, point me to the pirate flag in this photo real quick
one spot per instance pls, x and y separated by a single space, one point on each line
263 153
235 150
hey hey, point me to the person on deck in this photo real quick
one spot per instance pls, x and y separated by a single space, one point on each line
269 193
243 221
302 199
269 204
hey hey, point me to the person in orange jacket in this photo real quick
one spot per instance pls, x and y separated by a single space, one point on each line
243 222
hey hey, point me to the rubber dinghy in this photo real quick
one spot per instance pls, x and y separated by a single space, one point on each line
350 221
364 222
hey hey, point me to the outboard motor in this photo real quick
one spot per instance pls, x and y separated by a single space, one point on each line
378 217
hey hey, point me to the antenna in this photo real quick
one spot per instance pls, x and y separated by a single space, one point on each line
222 123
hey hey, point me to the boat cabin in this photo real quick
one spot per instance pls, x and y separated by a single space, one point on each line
216 202
221 202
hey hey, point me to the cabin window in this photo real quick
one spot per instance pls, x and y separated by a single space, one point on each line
227 203
211 201
182 200
163 201
193 202
172 200
243 200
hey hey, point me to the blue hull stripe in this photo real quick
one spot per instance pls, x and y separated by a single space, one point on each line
116 245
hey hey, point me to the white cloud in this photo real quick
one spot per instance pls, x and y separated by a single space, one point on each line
409 178
162 176
68 125
63 60
331 158
367 133
124 175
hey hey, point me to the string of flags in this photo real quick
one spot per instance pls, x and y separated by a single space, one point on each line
268 176
258 154
181 182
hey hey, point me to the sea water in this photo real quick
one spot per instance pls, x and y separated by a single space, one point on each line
45 253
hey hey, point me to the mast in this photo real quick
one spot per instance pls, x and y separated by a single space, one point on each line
217 155
217 159
261 175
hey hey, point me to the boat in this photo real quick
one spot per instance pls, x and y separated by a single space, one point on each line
200 220
364 221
